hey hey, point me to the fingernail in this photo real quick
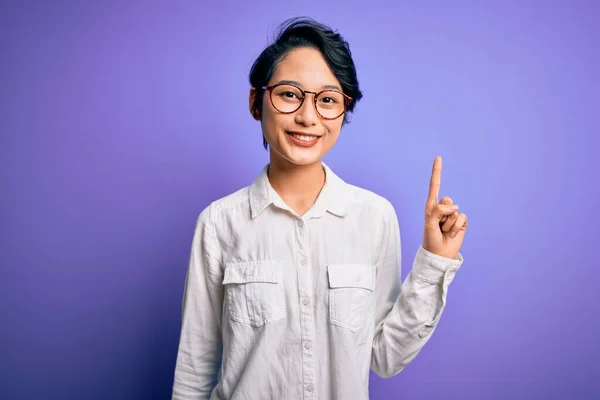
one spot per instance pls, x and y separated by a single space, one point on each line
454 206
453 234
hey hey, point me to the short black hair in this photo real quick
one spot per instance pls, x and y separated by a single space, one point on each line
306 32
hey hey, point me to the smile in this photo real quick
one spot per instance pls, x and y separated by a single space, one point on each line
303 140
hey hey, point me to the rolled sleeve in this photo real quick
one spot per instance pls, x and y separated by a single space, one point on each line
406 312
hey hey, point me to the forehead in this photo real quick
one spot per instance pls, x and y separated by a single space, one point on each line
306 66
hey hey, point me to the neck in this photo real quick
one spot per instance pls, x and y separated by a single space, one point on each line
298 186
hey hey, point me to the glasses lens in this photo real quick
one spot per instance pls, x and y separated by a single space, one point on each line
331 104
286 98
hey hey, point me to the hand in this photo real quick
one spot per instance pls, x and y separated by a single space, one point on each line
445 227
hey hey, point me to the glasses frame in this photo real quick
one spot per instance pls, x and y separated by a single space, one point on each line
347 99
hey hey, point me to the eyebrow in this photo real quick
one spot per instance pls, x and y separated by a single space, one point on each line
295 83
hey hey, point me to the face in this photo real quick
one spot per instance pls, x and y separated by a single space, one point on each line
302 137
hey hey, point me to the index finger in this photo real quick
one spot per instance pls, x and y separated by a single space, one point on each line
435 182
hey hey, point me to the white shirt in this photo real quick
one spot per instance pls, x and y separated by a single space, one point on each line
278 306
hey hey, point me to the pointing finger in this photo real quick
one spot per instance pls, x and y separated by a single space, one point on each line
435 182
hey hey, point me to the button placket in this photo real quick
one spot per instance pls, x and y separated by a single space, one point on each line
306 313
301 241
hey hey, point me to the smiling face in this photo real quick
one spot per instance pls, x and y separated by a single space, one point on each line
302 137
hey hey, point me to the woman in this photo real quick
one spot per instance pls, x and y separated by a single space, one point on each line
293 288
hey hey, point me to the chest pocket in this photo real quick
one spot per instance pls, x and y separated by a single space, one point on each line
351 297
254 291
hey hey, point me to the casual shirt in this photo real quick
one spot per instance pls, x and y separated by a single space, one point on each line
281 306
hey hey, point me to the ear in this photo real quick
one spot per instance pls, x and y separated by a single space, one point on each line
254 111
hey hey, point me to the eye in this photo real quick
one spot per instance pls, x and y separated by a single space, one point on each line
328 100
289 95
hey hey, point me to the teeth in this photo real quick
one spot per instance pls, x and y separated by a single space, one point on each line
305 138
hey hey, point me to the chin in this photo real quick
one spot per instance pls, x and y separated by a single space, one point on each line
303 159
297 158
305 162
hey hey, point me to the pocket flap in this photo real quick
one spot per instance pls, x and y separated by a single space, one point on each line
268 271
351 275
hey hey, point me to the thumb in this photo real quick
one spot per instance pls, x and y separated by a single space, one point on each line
440 211
447 201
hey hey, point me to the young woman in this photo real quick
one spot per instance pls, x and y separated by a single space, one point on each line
293 289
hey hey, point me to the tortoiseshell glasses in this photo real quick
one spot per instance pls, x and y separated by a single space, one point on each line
329 103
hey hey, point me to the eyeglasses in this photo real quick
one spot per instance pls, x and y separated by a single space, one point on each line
329 103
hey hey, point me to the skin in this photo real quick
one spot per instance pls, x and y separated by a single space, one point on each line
445 227
296 172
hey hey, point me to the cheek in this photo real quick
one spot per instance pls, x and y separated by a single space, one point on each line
266 117
271 122
334 128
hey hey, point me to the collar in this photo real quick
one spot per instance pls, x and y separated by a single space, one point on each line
332 197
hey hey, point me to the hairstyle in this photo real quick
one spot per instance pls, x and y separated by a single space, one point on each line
306 32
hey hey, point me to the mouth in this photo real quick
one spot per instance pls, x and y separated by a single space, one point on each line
303 139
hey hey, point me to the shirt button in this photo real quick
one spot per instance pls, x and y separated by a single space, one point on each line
303 262
299 223
305 302
309 388
307 345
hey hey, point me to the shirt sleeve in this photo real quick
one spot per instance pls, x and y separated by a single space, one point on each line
406 312
200 344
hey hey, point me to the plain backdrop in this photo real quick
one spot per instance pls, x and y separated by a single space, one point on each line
121 121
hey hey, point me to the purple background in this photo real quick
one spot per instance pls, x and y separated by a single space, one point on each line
120 122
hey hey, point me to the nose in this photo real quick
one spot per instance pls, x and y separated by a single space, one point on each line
307 114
